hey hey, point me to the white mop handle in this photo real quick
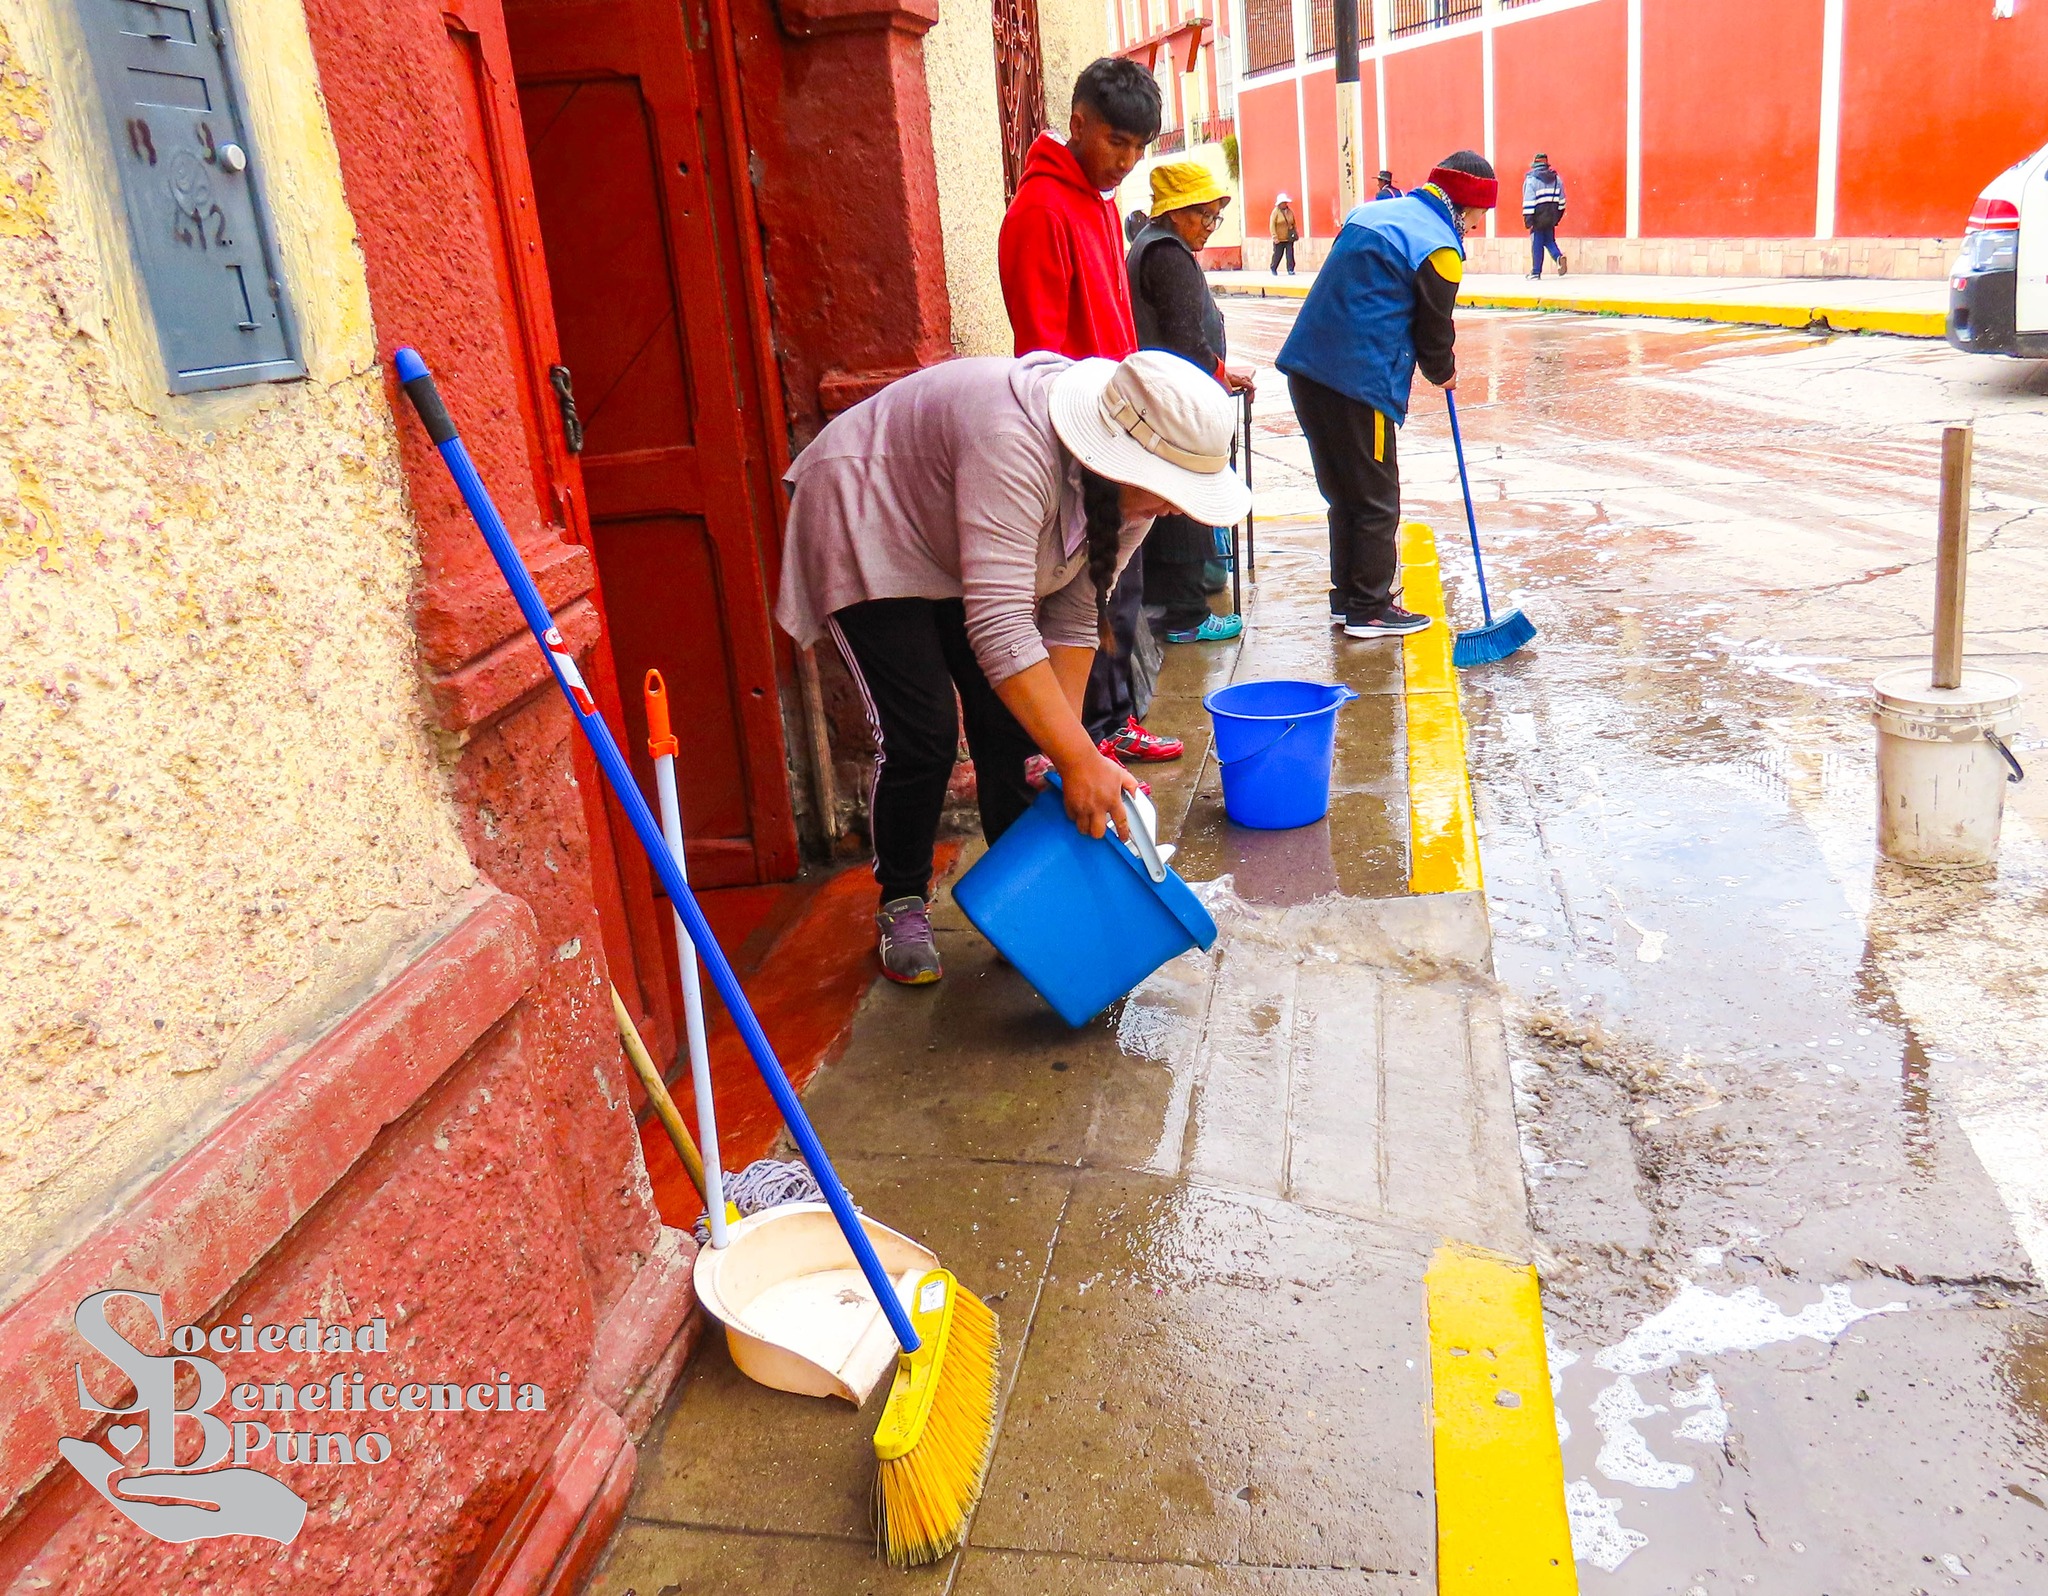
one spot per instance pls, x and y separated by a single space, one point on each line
693 1012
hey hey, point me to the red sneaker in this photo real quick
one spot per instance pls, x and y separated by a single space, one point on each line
1131 741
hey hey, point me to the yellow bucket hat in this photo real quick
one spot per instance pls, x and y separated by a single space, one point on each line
1178 184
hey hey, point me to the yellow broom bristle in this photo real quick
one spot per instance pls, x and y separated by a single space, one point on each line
938 1430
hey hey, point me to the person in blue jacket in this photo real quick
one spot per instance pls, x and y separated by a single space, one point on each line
1380 307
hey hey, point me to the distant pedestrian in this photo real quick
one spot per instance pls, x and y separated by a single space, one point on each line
1380 306
1134 224
1542 212
1175 310
1386 189
1285 230
1060 255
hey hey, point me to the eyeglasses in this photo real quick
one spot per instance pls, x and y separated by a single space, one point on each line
1210 219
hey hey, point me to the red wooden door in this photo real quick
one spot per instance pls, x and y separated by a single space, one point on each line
633 926
638 231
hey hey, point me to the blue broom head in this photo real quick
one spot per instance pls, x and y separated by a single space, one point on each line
1485 644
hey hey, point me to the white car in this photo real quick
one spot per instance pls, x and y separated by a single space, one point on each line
1998 287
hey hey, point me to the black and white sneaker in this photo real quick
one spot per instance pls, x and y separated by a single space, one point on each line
1393 621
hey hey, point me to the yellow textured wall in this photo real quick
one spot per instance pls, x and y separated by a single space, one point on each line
222 811
960 69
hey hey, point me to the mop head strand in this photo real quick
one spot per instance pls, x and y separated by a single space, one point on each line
939 1427
1485 644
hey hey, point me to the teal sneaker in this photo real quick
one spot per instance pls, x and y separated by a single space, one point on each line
1216 629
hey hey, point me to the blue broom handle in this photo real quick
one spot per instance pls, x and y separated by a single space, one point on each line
419 387
1471 520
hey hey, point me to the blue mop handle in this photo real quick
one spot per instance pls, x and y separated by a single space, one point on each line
1471 521
419 387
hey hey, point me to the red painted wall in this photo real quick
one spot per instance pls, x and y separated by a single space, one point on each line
1269 145
1923 129
1560 85
1319 114
1435 104
1731 118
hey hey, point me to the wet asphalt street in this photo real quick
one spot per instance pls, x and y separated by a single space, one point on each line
1783 1107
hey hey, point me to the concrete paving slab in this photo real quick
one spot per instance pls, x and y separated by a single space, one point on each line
673 1560
1218 1377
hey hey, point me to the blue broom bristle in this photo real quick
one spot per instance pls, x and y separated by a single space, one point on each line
1485 644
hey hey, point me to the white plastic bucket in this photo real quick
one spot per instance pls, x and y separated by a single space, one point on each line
1941 765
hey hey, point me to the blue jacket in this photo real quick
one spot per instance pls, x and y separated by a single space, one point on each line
1356 330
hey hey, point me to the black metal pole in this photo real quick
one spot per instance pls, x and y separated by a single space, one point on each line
1251 539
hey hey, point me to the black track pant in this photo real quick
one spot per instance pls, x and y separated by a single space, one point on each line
1352 448
1112 695
908 656
1280 249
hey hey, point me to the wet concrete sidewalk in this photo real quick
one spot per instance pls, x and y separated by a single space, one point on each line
1204 1219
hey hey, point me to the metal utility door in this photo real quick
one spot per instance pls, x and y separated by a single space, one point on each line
2031 299
631 214
634 927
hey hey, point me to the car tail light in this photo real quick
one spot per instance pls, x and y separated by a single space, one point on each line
1994 215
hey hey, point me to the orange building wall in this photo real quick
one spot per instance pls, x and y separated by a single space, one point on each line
1926 125
1319 111
1436 103
1269 147
1560 85
1731 117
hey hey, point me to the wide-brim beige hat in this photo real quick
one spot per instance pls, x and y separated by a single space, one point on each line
1158 422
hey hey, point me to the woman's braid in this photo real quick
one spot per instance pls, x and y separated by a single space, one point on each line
1103 501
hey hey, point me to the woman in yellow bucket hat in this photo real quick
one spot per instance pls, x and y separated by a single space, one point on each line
1174 309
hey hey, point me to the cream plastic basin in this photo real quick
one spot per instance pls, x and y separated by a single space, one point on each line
798 1314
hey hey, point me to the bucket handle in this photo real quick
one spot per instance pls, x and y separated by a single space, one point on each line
1262 748
1349 697
1155 867
2015 774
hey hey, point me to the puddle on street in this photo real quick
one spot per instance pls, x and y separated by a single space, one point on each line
1769 1086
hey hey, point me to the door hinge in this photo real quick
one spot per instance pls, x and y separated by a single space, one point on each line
565 397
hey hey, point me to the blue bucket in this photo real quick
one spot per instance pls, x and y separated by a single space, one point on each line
1077 915
1276 742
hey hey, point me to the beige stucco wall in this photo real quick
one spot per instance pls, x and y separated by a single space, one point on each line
1071 33
222 810
960 68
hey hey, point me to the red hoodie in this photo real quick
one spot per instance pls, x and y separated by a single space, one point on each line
1061 258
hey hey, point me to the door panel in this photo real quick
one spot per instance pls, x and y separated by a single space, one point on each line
612 114
621 881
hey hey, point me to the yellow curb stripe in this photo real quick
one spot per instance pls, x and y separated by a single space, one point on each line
1841 318
1501 1528
1443 836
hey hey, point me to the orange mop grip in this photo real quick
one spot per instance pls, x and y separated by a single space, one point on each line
661 742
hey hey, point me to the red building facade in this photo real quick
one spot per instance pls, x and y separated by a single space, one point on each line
560 203
1737 120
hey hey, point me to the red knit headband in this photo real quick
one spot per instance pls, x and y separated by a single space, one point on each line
1462 188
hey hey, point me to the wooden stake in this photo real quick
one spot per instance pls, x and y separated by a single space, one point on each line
1951 553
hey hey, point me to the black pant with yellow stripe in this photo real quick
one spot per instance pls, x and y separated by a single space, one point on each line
1352 448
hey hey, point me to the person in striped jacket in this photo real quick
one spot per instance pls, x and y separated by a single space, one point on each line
1542 211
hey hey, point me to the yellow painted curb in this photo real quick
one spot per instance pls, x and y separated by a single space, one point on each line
1841 318
1443 836
1501 1528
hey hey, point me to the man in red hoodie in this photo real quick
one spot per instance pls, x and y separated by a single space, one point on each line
1061 258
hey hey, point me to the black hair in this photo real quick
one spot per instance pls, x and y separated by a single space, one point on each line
1123 94
1470 162
1103 501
